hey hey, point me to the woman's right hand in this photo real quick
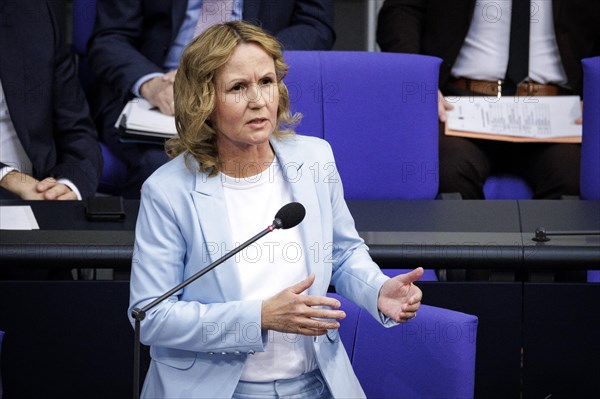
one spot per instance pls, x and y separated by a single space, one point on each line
291 312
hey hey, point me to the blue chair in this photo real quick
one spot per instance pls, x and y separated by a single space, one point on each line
379 114
590 142
429 274
593 276
114 172
303 81
431 356
506 186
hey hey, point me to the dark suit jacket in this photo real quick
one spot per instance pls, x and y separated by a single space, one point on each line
44 97
439 28
131 38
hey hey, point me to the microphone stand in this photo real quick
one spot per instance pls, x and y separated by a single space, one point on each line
139 314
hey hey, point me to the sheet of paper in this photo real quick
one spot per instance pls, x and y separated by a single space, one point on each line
140 115
531 117
17 217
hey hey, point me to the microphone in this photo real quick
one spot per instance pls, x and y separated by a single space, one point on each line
290 215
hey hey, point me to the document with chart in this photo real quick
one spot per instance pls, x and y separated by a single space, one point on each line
523 119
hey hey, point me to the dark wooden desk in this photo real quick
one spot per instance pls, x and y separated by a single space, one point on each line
433 234
66 239
441 234
561 251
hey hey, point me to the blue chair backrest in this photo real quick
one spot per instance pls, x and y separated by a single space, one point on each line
379 114
304 86
84 15
590 142
431 356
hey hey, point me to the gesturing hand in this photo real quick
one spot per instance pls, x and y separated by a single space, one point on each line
399 299
289 311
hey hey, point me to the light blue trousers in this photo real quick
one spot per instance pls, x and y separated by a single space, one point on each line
307 386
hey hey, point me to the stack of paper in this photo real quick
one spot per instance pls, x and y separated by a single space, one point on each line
523 119
17 217
139 117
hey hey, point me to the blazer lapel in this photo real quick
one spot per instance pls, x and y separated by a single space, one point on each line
301 180
214 221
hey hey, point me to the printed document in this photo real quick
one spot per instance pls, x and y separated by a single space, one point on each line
140 117
550 118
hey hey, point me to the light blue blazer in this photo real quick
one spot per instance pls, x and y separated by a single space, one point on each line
201 337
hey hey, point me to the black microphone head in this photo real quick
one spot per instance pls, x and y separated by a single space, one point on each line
289 216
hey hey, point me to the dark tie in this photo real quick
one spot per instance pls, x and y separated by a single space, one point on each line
518 53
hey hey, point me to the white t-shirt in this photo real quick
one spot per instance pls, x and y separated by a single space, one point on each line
268 266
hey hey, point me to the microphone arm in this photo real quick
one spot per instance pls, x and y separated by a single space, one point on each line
139 314
541 235
287 217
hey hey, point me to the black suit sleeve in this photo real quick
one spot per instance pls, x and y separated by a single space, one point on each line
131 39
400 25
310 26
78 156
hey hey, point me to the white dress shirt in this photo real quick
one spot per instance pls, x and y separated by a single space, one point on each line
487 44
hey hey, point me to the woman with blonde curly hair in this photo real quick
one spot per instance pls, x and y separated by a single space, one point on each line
260 325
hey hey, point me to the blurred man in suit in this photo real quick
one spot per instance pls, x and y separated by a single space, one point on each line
48 148
472 38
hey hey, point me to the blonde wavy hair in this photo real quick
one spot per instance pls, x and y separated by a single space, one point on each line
195 92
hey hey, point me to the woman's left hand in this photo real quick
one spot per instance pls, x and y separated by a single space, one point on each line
399 299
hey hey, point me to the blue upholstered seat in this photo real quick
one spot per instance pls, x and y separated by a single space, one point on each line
505 186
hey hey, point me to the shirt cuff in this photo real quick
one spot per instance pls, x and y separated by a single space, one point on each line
138 84
70 184
6 170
